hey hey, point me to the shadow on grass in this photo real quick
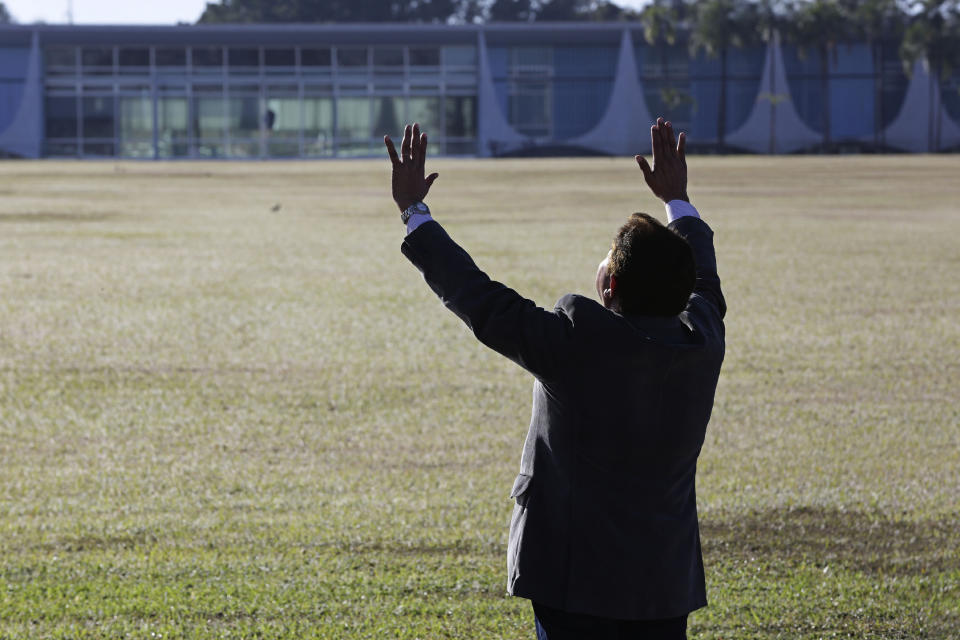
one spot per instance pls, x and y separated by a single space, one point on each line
869 542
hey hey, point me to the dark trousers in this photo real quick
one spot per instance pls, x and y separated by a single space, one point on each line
553 624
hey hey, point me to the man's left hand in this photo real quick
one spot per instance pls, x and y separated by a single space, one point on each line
409 185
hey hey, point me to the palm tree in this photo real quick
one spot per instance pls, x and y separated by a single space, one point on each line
719 25
876 20
820 25
661 21
933 36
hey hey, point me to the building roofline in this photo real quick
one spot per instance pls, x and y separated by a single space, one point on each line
340 26
324 34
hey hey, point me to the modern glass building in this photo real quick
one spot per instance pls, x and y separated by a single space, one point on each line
319 91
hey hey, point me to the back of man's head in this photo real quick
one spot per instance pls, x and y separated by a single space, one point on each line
653 266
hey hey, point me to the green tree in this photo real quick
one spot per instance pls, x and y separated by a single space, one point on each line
820 25
470 11
662 22
875 21
561 10
511 11
267 11
719 25
607 11
933 36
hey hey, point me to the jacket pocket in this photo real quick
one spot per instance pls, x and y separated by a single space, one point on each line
521 489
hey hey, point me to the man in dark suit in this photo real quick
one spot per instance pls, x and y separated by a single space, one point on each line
604 536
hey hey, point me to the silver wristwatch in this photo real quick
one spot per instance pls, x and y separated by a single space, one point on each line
418 207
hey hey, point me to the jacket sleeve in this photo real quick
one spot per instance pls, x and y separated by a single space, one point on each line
700 237
499 317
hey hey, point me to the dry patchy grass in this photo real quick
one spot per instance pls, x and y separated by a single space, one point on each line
222 419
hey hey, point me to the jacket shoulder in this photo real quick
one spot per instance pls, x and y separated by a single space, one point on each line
576 304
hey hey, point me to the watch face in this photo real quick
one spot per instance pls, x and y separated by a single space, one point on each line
421 207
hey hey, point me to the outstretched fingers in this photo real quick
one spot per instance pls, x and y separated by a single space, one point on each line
669 137
667 143
405 145
682 147
645 167
415 144
422 158
655 143
391 151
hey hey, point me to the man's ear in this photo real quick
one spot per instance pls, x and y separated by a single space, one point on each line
610 292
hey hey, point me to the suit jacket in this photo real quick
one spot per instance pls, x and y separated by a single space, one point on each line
605 521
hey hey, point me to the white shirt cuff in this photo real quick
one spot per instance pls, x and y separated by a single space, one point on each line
679 209
416 220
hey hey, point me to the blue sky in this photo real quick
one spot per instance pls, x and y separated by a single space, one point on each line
123 11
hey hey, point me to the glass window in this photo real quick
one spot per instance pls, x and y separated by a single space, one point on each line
244 116
98 89
139 57
352 57
389 84
388 57
315 89
54 148
209 58
61 117
171 87
282 116
530 108
282 124
279 57
463 148
61 60
422 57
243 148
98 149
98 117
353 126
531 56
172 127
136 126
136 117
97 60
318 126
460 56
315 57
426 111
171 57
461 116
210 123
209 117
388 117
244 60
283 148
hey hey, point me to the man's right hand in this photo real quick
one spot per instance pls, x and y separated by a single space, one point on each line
668 177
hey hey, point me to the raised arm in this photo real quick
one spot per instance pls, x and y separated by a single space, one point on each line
499 317
667 180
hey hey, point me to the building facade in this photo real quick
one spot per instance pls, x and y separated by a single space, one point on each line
321 91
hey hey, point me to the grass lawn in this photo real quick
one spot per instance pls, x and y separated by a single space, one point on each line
229 407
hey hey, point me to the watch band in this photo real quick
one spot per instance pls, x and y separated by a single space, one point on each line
417 207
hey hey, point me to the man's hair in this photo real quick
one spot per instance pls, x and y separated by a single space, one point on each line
654 268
